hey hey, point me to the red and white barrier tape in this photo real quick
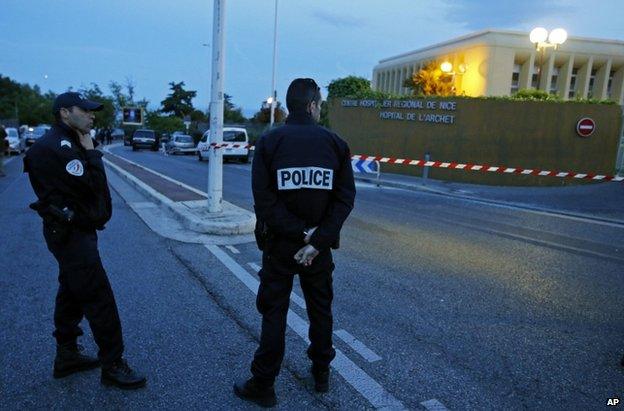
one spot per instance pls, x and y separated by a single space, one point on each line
461 166
232 145
489 168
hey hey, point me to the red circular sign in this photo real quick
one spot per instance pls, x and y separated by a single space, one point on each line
585 127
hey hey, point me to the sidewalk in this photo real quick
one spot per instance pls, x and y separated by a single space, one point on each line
600 201
187 203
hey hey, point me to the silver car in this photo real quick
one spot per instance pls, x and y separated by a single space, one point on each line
180 143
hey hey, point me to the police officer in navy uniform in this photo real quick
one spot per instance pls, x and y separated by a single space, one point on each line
67 175
303 192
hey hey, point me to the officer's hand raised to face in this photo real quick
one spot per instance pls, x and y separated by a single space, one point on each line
86 140
306 254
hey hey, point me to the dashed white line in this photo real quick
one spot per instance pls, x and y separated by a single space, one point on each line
254 266
358 346
233 249
354 375
434 405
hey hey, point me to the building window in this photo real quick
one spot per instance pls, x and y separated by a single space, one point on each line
609 84
572 91
553 80
535 77
592 81
515 79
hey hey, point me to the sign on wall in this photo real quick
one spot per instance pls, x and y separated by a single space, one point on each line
585 127
420 110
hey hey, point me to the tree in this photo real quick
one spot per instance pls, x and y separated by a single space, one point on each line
25 104
179 101
231 113
350 86
264 115
431 81
163 124
120 99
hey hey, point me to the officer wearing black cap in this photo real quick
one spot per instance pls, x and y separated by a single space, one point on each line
68 177
303 191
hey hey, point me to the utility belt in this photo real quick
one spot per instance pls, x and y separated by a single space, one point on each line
264 237
57 220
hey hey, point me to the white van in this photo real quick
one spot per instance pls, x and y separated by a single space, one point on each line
234 135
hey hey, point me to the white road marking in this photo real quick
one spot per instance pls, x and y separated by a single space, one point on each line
434 405
358 346
233 249
7 161
293 296
254 266
354 375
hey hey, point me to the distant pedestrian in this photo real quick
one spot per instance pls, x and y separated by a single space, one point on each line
68 177
4 146
303 192
108 134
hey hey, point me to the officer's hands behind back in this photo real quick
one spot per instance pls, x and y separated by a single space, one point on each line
306 254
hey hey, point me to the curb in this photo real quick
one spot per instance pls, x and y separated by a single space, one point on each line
413 187
193 215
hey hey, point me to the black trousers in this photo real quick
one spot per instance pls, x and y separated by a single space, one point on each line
84 291
276 280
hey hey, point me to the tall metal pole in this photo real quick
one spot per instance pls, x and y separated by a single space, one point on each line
273 91
215 157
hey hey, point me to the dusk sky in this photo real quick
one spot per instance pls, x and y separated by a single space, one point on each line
58 44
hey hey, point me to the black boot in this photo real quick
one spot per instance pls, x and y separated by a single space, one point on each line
69 359
122 376
321 379
254 391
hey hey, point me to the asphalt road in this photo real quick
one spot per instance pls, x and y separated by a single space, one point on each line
475 306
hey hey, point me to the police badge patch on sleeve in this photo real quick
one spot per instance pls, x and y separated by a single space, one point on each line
75 168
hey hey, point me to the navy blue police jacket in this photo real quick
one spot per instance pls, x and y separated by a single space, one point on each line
64 174
302 178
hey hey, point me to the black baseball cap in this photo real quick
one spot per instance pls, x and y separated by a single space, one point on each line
70 99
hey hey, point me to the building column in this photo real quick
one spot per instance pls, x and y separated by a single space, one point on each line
565 76
582 78
526 73
546 71
602 81
401 80
397 81
617 86
386 87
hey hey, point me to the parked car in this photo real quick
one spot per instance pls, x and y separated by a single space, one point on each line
33 134
118 134
17 144
180 143
144 139
235 135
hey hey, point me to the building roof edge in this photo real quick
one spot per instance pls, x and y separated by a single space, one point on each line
483 33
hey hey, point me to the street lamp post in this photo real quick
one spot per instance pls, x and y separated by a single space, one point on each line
215 166
447 68
273 91
543 40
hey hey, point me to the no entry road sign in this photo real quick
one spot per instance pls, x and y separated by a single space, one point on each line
585 127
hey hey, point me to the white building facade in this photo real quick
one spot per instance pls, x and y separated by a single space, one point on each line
499 63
